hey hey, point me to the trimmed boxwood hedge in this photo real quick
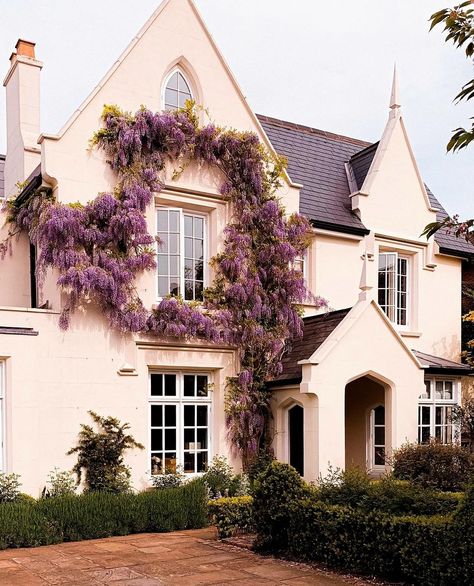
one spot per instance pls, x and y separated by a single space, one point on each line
95 515
435 550
232 515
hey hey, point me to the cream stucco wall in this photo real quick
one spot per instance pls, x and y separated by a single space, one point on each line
54 378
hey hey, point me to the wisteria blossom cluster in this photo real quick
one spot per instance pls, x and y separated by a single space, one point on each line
100 248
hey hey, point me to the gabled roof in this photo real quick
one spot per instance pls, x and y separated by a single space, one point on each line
315 331
318 328
316 159
2 176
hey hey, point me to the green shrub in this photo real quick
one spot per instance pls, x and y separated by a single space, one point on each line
60 483
101 514
9 487
232 515
434 465
100 455
274 490
353 488
221 480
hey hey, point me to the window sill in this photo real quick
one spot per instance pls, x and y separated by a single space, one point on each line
409 334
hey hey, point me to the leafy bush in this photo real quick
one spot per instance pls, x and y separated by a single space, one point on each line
353 488
274 490
170 479
9 487
60 483
440 466
366 537
418 550
221 480
101 514
232 515
100 455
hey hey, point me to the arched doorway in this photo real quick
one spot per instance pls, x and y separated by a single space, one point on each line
367 404
296 437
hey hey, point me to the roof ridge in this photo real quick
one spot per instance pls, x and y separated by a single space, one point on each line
312 130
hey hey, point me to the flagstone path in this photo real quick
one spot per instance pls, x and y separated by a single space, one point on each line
185 557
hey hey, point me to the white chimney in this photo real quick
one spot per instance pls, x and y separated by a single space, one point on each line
22 84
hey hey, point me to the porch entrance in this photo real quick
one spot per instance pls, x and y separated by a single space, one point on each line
365 424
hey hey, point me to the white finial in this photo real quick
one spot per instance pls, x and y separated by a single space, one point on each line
394 96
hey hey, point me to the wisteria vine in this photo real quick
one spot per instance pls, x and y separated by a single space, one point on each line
101 247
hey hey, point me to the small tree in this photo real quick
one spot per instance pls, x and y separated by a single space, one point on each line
463 417
100 455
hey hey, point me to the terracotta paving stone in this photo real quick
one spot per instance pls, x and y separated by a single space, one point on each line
181 558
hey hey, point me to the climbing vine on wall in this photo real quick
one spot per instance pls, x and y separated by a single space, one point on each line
101 247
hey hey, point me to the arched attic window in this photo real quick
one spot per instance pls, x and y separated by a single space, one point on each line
177 91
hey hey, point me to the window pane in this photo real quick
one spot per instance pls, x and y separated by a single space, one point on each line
156 416
171 98
182 85
379 436
425 415
170 462
173 243
201 461
189 380
198 249
182 99
448 390
170 385
170 439
163 287
201 439
156 464
202 386
188 247
162 220
156 439
379 459
425 435
198 227
174 286
170 415
189 415
173 81
198 272
174 221
156 384
439 390
189 439
379 415
189 462
188 291
198 289
202 415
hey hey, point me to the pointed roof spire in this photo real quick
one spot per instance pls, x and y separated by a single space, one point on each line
395 96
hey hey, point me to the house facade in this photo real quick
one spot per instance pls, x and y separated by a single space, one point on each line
378 369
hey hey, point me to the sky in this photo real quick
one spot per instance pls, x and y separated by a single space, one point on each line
323 64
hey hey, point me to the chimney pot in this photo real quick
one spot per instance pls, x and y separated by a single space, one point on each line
25 48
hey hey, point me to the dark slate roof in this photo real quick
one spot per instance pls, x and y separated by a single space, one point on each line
360 163
315 330
316 159
2 178
439 365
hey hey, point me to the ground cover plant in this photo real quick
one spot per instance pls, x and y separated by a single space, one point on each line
100 248
102 514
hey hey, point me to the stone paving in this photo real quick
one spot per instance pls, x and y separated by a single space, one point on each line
185 557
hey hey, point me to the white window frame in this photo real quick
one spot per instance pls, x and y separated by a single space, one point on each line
176 69
179 400
409 280
184 212
303 260
2 415
432 402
